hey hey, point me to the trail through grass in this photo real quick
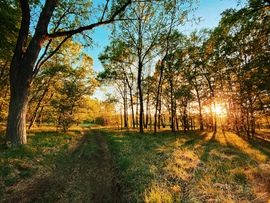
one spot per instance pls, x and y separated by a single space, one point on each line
80 171
120 166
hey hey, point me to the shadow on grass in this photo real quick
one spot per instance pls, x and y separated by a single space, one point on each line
209 145
262 145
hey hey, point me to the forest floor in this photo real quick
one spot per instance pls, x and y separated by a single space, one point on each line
86 174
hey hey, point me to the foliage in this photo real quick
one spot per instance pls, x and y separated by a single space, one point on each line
62 88
196 77
9 26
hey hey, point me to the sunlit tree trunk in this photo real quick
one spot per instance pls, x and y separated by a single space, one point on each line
147 116
131 105
137 109
125 106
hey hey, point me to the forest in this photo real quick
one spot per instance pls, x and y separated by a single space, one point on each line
174 94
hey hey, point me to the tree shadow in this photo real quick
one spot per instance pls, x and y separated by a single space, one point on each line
262 145
211 144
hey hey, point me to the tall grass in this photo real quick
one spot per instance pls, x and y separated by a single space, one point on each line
193 167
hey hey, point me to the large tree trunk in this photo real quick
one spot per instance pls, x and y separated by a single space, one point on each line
21 71
16 126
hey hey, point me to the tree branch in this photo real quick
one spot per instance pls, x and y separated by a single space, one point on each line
104 11
91 26
38 66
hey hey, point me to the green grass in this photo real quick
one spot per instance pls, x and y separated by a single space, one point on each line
44 149
193 167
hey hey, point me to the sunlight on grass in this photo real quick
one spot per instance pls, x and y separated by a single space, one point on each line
191 167
157 193
245 147
181 165
39 155
194 167
232 139
208 136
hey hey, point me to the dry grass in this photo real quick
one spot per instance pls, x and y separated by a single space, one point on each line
194 167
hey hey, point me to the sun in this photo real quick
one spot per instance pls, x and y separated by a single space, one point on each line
219 110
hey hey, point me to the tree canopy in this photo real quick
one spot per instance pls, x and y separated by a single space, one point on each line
206 79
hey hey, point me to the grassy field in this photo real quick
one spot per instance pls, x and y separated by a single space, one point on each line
192 167
45 149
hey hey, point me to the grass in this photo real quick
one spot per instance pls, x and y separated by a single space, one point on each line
193 167
45 148
161 168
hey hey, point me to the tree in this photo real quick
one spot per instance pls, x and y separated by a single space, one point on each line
9 26
117 63
250 61
27 60
64 83
165 47
70 97
144 36
173 77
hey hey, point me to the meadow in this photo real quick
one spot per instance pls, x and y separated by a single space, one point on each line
192 167
163 167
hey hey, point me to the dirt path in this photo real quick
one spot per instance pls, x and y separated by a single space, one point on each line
86 178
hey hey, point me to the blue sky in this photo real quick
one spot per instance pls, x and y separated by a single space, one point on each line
209 10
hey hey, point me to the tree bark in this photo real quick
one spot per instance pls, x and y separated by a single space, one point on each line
21 71
172 105
131 102
16 126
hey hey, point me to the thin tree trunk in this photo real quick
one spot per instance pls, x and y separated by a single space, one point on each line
172 107
137 110
200 108
158 101
132 105
125 106
140 95
147 107
36 109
